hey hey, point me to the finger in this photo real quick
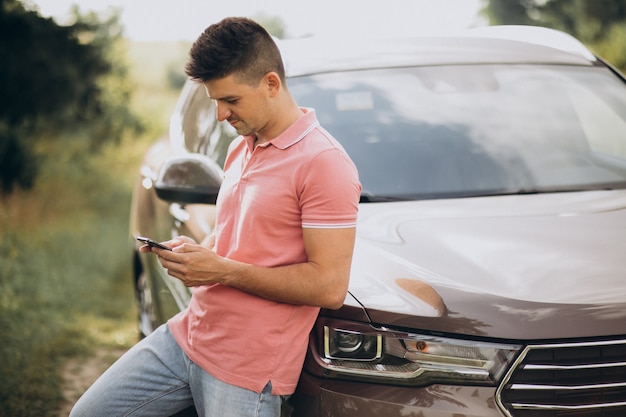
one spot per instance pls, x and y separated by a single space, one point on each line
173 269
181 240
170 255
169 260
181 277
188 247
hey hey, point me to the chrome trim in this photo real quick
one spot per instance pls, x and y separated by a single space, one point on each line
505 380
148 172
522 356
580 344
179 213
519 406
566 387
572 367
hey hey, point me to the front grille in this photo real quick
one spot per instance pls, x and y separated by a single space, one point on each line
567 380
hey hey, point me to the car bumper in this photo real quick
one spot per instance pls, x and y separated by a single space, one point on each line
317 397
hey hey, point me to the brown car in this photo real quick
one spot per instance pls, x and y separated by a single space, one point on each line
489 275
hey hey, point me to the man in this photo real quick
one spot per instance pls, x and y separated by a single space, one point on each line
281 249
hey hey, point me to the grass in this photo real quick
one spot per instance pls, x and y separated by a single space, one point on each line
64 284
65 271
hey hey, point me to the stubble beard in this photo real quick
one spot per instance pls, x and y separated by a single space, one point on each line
244 129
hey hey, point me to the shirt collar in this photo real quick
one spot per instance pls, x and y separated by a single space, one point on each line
294 133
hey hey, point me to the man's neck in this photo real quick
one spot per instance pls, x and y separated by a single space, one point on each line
288 117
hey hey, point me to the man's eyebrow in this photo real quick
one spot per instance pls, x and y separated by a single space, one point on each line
225 98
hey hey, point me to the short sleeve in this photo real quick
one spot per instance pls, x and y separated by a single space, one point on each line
330 191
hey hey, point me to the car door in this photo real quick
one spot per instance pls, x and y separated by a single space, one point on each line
195 131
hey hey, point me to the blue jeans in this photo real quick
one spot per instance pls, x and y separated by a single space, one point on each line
156 378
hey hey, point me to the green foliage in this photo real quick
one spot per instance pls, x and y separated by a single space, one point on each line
58 277
17 162
599 24
56 79
613 47
151 66
589 21
175 77
65 272
507 12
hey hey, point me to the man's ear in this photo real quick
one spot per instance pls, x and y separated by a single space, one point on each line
273 83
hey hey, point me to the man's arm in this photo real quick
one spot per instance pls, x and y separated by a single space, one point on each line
321 281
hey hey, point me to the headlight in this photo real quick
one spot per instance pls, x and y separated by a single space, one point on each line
359 351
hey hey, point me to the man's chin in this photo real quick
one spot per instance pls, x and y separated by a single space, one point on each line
244 131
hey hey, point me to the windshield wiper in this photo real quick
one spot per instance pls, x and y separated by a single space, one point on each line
373 198
369 198
567 188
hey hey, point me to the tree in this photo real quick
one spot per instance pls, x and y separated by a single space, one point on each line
55 79
599 24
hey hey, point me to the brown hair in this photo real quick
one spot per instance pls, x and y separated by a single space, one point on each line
234 46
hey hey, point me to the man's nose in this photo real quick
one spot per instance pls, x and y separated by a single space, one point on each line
223 112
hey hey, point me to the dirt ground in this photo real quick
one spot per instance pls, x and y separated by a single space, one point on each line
80 373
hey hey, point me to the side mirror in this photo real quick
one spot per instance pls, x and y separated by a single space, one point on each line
190 179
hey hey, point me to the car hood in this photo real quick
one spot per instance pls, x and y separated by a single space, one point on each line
521 267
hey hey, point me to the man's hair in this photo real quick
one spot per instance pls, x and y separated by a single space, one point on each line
234 46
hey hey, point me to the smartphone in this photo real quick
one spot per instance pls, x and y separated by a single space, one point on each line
152 243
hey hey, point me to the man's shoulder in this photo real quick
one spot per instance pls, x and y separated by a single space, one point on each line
319 140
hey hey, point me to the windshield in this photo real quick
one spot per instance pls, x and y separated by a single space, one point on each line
456 131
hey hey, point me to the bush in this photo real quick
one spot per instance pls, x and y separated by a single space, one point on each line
61 274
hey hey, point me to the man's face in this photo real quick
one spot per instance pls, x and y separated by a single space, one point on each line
241 104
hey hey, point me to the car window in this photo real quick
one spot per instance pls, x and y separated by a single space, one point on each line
201 132
599 105
446 131
198 118
217 142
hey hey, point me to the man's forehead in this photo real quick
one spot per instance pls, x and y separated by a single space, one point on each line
226 87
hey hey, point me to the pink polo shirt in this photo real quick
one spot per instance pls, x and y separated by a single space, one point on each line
303 178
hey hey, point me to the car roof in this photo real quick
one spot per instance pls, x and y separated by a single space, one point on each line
496 44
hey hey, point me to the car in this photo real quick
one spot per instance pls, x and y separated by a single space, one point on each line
489 271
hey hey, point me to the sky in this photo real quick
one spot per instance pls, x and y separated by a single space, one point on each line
171 20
